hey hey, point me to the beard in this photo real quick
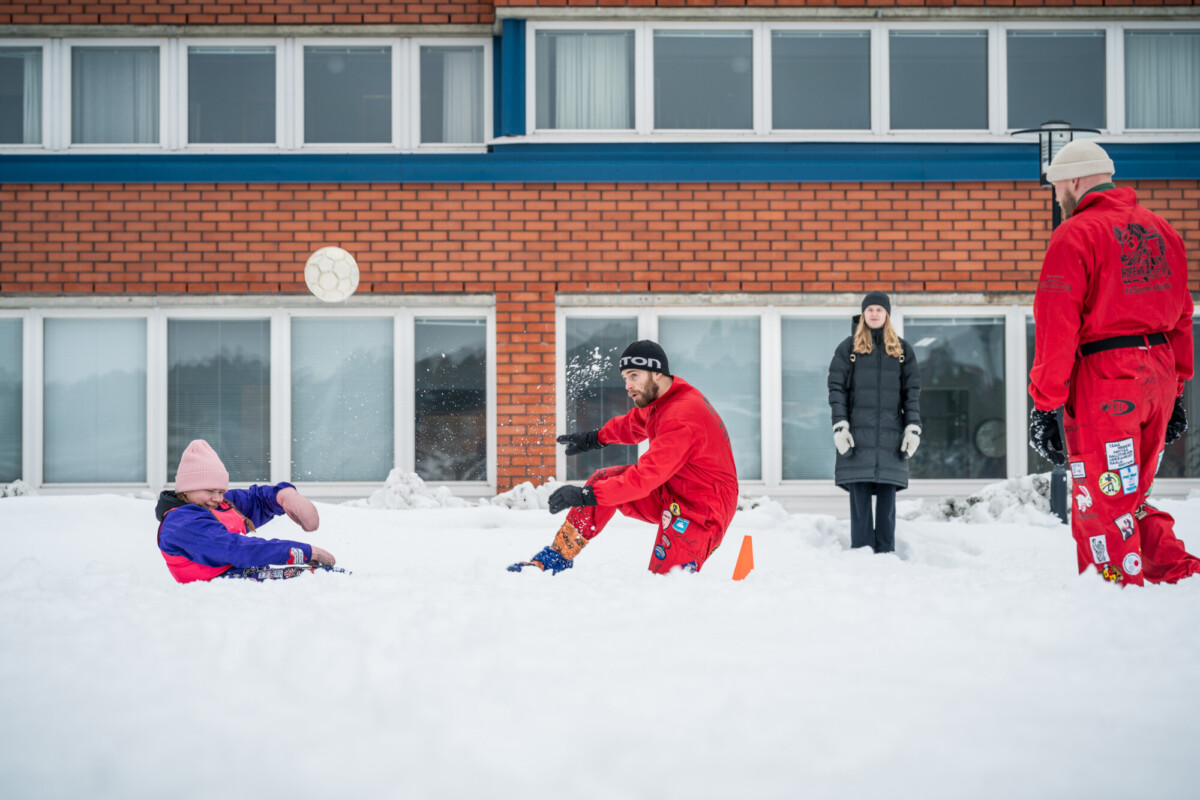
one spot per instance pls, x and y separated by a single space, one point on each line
1067 202
647 395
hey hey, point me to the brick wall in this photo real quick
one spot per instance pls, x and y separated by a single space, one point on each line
230 12
526 242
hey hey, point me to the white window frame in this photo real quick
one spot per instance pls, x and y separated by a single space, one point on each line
48 62
400 97
873 81
1112 89
167 80
414 91
279 319
281 96
1116 75
638 29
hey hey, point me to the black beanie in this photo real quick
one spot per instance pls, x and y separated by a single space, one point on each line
877 299
646 355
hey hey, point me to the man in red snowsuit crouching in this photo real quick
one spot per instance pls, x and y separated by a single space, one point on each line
685 483
1113 316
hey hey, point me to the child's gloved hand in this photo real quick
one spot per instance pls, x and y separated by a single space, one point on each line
322 558
299 508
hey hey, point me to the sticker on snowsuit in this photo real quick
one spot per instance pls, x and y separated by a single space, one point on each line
1124 524
660 553
680 525
1110 483
1077 470
1099 549
1119 454
674 509
1132 563
1129 479
665 541
1111 573
1083 500
666 519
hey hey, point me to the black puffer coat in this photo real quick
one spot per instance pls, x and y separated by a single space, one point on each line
879 395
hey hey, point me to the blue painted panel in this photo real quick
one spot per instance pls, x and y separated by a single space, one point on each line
520 163
511 78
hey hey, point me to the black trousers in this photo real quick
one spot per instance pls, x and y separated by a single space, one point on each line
880 533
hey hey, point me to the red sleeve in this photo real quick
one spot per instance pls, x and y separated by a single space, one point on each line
1057 319
629 428
668 451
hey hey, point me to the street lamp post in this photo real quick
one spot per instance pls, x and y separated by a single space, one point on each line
1052 136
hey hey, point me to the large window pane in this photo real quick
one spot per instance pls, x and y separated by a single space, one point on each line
1034 460
451 399
821 80
595 391
721 356
961 361
938 80
584 80
95 401
1056 75
807 349
114 95
347 94
703 80
219 390
1162 79
451 94
11 383
231 95
1182 459
20 95
343 425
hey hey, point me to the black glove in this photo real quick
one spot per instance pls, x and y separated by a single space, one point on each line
570 497
1045 437
581 442
1177 425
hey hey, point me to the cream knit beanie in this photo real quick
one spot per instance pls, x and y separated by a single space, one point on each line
200 468
1078 159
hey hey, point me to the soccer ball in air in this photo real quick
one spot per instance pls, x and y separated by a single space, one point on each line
331 274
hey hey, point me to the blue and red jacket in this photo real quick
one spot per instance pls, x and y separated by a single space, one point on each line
199 544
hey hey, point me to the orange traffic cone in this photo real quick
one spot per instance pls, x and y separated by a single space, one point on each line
745 559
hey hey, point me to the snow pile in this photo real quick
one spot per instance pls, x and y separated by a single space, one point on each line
16 489
763 503
524 496
1025 499
406 490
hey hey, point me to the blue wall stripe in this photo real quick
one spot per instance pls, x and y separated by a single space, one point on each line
512 78
540 163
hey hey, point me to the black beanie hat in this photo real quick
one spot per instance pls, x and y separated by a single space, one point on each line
646 355
877 299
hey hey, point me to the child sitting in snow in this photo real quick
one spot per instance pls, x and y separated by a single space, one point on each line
202 524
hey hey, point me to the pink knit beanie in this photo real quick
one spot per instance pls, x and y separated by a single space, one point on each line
200 468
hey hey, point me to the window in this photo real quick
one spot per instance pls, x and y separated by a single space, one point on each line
231 95
722 357
703 80
938 80
347 95
343 419
450 415
821 80
961 364
807 348
585 80
451 95
20 95
1182 459
114 95
11 405
1034 460
1162 79
94 401
1056 75
219 390
595 392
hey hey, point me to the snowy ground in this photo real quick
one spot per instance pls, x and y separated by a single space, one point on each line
973 663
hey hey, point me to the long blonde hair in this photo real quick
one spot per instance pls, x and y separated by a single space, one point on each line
891 342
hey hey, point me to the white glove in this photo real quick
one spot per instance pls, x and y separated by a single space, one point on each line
911 440
842 439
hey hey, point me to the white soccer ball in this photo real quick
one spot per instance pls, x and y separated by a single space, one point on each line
331 274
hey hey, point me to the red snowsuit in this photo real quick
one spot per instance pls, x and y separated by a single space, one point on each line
1113 269
685 483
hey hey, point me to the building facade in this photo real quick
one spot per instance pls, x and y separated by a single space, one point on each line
528 187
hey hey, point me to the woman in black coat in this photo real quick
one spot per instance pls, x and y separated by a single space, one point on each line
874 392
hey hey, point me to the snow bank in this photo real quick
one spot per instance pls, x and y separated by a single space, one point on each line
406 490
16 489
1025 500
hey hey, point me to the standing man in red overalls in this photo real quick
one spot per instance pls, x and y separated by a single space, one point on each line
685 483
1113 316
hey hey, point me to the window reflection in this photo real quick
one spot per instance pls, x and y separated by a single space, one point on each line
11 385
451 399
595 392
807 349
